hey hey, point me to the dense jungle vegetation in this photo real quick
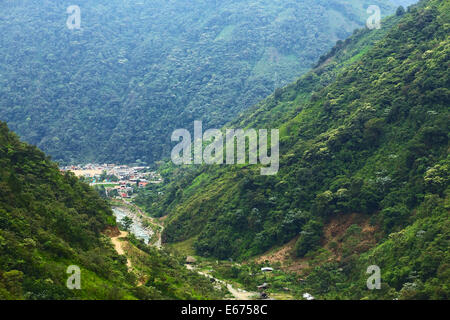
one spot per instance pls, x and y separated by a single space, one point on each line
365 132
114 90
50 221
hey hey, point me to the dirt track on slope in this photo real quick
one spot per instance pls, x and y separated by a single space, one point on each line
118 245
237 293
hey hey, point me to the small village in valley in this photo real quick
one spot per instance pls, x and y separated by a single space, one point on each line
118 181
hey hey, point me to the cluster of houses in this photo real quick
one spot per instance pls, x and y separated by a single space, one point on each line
119 180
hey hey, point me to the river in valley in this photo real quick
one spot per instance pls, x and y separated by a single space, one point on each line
136 228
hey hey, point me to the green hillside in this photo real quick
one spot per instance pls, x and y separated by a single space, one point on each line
365 132
50 221
114 90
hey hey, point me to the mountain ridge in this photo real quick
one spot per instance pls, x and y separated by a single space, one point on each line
115 89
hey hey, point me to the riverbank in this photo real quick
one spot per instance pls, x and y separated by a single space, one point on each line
137 228
238 294
142 224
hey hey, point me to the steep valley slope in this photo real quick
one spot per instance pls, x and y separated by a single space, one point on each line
364 132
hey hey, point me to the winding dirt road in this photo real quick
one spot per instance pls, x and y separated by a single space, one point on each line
118 245
238 294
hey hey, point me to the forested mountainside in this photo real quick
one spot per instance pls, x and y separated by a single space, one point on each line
364 133
114 90
50 221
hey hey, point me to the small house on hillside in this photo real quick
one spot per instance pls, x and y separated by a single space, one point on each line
191 260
